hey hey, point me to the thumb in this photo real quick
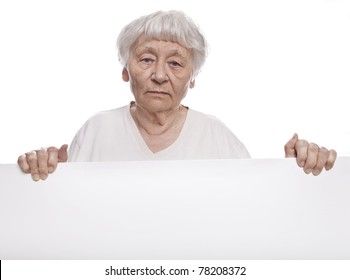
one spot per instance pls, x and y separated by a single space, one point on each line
63 153
289 147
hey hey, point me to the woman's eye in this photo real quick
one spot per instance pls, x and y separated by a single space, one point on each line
146 60
175 64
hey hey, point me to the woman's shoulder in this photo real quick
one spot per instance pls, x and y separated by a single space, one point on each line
213 129
103 120
201 118
101 124
107 116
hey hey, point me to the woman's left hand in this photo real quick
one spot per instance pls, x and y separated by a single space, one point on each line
310 156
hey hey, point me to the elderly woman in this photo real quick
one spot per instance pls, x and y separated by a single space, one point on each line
161 55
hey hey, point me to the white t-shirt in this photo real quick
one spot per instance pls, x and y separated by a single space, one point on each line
113 136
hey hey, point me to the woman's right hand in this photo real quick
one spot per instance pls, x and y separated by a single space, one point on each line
41 163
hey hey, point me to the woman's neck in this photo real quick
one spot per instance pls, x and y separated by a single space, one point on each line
158 123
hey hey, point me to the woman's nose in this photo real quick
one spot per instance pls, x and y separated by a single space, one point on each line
160 74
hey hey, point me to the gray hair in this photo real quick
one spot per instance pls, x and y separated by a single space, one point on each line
173 26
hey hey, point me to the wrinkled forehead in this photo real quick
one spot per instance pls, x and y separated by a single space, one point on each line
143 42
156 45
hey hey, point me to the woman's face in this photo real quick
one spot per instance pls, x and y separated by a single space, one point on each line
160 74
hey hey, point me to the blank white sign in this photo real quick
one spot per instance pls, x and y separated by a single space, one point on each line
215 209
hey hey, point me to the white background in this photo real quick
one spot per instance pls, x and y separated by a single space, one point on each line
274 68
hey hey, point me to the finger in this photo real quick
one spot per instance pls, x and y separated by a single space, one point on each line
301 148
321 161
23 164
32 161
289 147
63 153
312 156
331 159
52 159
42 163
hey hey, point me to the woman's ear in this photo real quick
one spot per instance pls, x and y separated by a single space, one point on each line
192 83
125 75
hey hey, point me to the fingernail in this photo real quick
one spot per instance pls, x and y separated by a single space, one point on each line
50 169
36 177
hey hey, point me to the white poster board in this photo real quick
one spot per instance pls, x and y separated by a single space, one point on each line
215 209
